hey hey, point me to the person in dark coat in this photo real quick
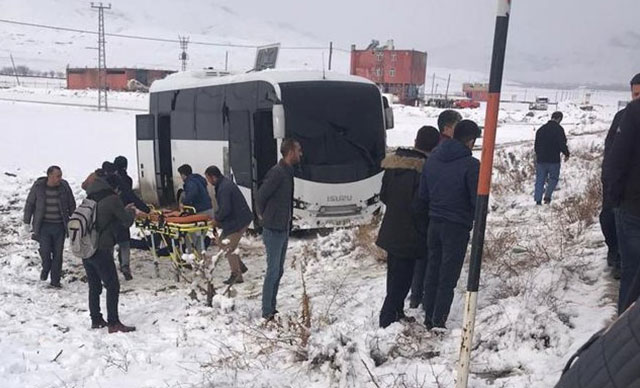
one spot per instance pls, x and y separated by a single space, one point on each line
607 218
195 194
195 191
610 358
449 185
49 205
401 235
623 174
111 215
124 188
550 142
274 206
447 121
234 217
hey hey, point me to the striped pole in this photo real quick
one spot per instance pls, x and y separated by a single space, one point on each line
484 185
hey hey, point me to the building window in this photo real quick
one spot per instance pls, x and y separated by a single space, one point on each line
392 72
379 56
394 57
378 72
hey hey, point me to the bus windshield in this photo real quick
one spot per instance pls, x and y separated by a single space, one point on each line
340 127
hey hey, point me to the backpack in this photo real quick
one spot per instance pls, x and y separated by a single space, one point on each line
82 229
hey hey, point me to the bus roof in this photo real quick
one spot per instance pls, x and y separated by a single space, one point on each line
201 78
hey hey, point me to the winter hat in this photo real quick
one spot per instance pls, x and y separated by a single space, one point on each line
108 168
120 162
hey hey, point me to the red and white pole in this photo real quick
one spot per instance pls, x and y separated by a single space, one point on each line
484 186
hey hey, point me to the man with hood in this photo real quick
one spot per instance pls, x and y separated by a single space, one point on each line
111 215
449 184
127 196
49 205
403 232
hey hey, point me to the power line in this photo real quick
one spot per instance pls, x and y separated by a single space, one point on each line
163 40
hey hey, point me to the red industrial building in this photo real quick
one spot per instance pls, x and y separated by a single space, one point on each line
400 72
476 92
117 78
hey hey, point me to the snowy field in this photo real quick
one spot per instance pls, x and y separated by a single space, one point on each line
544 290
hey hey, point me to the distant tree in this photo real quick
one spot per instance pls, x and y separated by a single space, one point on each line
22 70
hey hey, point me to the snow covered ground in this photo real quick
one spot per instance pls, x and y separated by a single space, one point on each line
545 288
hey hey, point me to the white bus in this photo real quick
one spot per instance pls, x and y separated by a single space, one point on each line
237 123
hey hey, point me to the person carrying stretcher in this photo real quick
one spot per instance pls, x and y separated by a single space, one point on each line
234 217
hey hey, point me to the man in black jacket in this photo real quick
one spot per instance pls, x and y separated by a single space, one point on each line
550 142
402 233
111 215
607 218
449 184
623 175
49 204
233 216
274 205
124 188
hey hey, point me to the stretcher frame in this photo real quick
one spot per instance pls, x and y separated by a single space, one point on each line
176 235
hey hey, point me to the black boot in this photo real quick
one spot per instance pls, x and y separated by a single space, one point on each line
126 272
98 323
233 279
243 267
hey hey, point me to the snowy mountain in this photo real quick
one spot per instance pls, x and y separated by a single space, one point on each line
201 21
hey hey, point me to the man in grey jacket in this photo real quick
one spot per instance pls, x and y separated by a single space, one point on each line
274 204
49 204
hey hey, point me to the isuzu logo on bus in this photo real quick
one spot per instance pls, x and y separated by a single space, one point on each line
339 198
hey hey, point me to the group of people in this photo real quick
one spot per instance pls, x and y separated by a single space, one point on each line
430 196
51 203
230 212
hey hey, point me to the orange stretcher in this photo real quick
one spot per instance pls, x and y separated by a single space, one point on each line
177 230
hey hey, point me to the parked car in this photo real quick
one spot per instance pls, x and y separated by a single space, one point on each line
466 104
542 103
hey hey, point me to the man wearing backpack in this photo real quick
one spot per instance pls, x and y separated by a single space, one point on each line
49 204
110 215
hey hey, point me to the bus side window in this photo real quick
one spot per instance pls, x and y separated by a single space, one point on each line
209 125
183 115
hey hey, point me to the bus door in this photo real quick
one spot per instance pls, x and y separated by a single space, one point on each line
164 164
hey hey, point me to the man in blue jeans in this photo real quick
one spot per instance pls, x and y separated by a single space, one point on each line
274 205
448 184
623 173
551 141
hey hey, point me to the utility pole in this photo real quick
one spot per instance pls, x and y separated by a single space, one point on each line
446 94
484 187
226 61
184 57
102 57
433 84
15 72
330 54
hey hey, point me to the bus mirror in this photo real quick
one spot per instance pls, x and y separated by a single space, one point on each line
278 121
388 118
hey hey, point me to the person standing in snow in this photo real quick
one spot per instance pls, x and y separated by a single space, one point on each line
274 205
111 215
127 196
234 216
607 217
550 142
49 205
403 231
623 175
447 121
448 184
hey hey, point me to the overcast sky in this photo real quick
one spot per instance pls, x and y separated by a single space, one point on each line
577 41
